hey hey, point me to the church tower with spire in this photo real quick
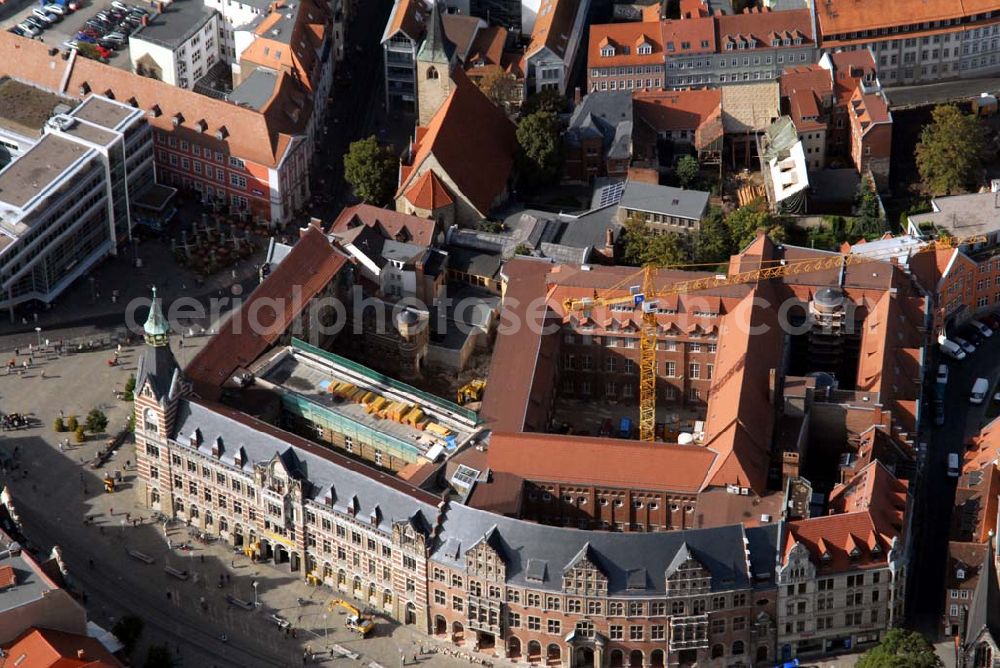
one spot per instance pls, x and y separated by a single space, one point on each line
435 62
159 382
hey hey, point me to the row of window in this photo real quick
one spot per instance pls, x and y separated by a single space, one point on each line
914 27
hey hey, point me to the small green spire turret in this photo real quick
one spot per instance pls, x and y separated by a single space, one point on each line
156 328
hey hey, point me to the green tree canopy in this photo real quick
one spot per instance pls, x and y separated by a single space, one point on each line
499 86
538 144
713 243
900 649
128 629
949 155
97 421
642 247
549 100
869 222
746 220
687 170
371 170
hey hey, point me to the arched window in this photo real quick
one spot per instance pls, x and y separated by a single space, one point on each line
149 421
738 648
154 496
432 72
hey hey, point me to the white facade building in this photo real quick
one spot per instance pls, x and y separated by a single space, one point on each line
178 46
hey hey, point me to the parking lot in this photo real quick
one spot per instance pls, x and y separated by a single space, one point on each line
66 27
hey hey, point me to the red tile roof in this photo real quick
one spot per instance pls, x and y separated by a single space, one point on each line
600 461
7 577
553 25
299 56
688 36
487 48
467 130
625 38
697 110
256 136
844 16
408 16
523 357
867 109
869 514
47 648
765 26
427 192
396 225
267 313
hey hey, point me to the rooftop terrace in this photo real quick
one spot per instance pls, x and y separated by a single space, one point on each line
24 109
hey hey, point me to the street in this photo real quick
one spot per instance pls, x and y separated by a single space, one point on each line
935 495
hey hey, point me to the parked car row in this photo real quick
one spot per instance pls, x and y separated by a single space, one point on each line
41 18
109 30
968 337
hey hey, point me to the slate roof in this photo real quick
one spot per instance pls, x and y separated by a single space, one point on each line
690 204
160 368
984 613
606 115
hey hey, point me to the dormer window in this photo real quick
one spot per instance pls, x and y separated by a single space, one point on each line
798 41
786 41
685 45
776 42
729 46
607 51
644 50
825 556
855 553
960 574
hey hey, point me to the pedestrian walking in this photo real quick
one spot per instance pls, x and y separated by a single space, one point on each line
61 414
43 373
111 511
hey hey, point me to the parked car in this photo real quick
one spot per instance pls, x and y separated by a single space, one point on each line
979 390
28 29
109 45
137 11
103 51
982 327
40 13
84 37
56 9
92 33
17 31
954 467
279 621
942 374
37 22
992 320
117 37
951 349
964 345
971 334
118 4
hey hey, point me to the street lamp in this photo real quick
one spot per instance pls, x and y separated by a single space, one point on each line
254 585
326 626
38 334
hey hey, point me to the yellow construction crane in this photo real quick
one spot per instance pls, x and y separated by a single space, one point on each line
644 295
357 622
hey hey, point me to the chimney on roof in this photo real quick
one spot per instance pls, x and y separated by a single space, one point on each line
577 96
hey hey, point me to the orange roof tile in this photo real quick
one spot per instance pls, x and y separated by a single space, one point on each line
467 130
407 16
487 48
687 36
762 26
868 513
600 461
396 225
256 136
299 55
553 25
48 648
844 16
626 39
697 110
267 313
427 192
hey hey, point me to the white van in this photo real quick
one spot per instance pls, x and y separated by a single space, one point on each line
953 468
979 390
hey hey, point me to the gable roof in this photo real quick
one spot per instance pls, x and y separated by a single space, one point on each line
984 613
600 461
698 110
467 130
257 136
553 25
408 17
412 229
48 648
625 38
846 16
264 317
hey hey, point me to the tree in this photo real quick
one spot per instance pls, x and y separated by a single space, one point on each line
71 423
499 86
869 222
371 170
59 425
949 155
79 434
549 100
642 247
522 249
538 152
159 656
745 221
130 387
687 170
900 649
127 630
713 243
96 421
